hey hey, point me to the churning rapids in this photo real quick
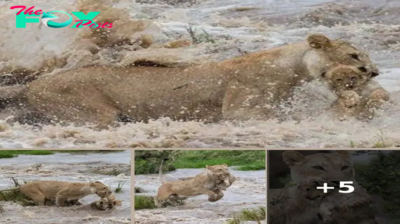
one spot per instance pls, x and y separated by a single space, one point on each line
236 26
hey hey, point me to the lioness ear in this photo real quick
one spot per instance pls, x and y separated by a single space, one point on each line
224 164
292 157
318 41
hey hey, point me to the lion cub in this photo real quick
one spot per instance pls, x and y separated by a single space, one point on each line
62 192
203 183
340 208
349 83
106 203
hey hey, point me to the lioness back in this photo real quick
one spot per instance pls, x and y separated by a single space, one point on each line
246 87
48 188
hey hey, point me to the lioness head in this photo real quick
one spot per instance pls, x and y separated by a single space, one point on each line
344 77
330 168
100 189
219 173
337 51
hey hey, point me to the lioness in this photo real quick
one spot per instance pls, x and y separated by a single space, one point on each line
203 183
292 205
241 88
62 192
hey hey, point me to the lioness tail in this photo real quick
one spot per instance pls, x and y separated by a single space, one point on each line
160 172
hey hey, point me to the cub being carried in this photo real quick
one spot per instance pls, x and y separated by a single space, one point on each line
355 95
106 203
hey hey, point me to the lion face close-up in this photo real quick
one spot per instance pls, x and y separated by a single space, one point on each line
329 167
342 52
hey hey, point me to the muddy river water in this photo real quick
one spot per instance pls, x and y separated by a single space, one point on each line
248 25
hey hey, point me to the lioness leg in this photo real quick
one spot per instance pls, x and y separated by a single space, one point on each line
325 211
348 104
73 202
159 202
220 195
61 199
38 198
245 103
377 98
211 194
34 193
173 199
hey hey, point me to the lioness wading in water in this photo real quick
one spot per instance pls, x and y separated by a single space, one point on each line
62 192
241 88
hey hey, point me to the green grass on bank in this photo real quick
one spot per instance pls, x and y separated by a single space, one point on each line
148 162
13 153
14 194
87 151
245 160
258 215
144 202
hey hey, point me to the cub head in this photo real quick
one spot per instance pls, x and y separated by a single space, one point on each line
344 77
104 204
326 52
100 189
330 168
308 188
107 203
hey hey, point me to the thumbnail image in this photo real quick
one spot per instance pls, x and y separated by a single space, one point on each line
338 187
63 187
200 186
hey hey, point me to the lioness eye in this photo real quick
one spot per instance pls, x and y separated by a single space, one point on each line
363 69
353 78
345 167
339 80
355 56
318 167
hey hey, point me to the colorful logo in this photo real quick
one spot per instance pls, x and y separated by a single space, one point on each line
30 16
